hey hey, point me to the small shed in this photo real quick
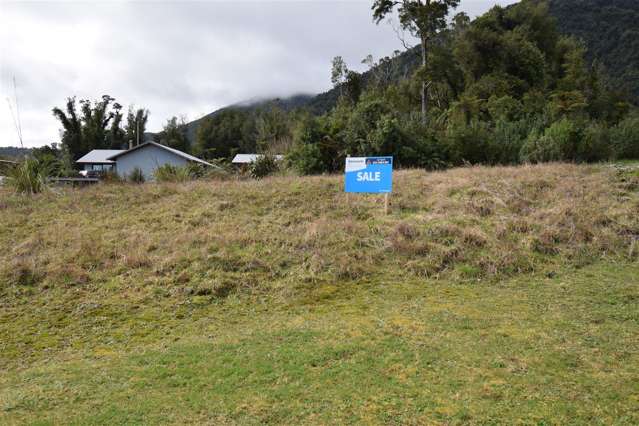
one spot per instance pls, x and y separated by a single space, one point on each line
149 156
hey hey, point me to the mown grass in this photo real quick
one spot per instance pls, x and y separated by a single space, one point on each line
486 296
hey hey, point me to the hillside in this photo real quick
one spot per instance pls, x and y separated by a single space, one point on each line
286 104
12 152
610 29
487 295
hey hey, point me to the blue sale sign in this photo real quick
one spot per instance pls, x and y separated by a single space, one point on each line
369 174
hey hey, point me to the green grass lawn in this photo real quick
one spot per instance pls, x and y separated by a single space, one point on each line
535 350
486 296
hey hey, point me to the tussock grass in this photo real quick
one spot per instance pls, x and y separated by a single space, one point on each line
284 268
280 233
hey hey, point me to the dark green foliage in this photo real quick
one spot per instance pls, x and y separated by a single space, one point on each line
594 144
97 126
610 30
264 165
225 134
304 158
29 176
174 135
502 50
12 152
625 138
135 126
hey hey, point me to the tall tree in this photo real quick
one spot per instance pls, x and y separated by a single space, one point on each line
136 125
116 135
339 72
96 125
174 134
96 117
71 136
423 19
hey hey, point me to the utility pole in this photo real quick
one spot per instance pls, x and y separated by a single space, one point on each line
137 124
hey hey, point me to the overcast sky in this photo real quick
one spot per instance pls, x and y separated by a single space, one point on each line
176 57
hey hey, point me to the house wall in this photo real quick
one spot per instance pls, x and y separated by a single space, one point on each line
147 159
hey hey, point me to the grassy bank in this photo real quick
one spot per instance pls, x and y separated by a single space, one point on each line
487 295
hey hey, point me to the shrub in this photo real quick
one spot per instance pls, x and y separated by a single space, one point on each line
171 173
566 135
218 173
196 170
558 142
539 148
136 176
595 144
469 142
507 140
28 177
264 165
111 177
625 138
305 159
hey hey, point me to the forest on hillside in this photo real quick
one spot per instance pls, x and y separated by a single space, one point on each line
610 30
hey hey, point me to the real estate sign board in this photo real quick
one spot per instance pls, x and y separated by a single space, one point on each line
369 174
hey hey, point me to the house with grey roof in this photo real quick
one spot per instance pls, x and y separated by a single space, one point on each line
147 157
98 160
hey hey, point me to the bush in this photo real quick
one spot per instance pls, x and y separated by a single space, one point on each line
625 139
28 177
469 143
136 176
539 148
171 173
425 151
560 141
305 159
507 140
111 177
595 144
264 165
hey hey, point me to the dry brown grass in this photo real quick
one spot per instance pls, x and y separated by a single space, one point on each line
287 233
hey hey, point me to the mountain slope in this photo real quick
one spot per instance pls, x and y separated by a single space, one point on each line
610 29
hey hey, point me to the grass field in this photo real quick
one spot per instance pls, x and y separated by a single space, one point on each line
487 295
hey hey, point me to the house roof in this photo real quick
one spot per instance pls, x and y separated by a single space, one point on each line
173 150
100 156
249 158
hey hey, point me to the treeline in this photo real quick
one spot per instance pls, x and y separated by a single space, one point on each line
505 88
13 152
103 124
88 125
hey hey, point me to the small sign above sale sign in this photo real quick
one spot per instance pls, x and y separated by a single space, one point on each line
369 174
